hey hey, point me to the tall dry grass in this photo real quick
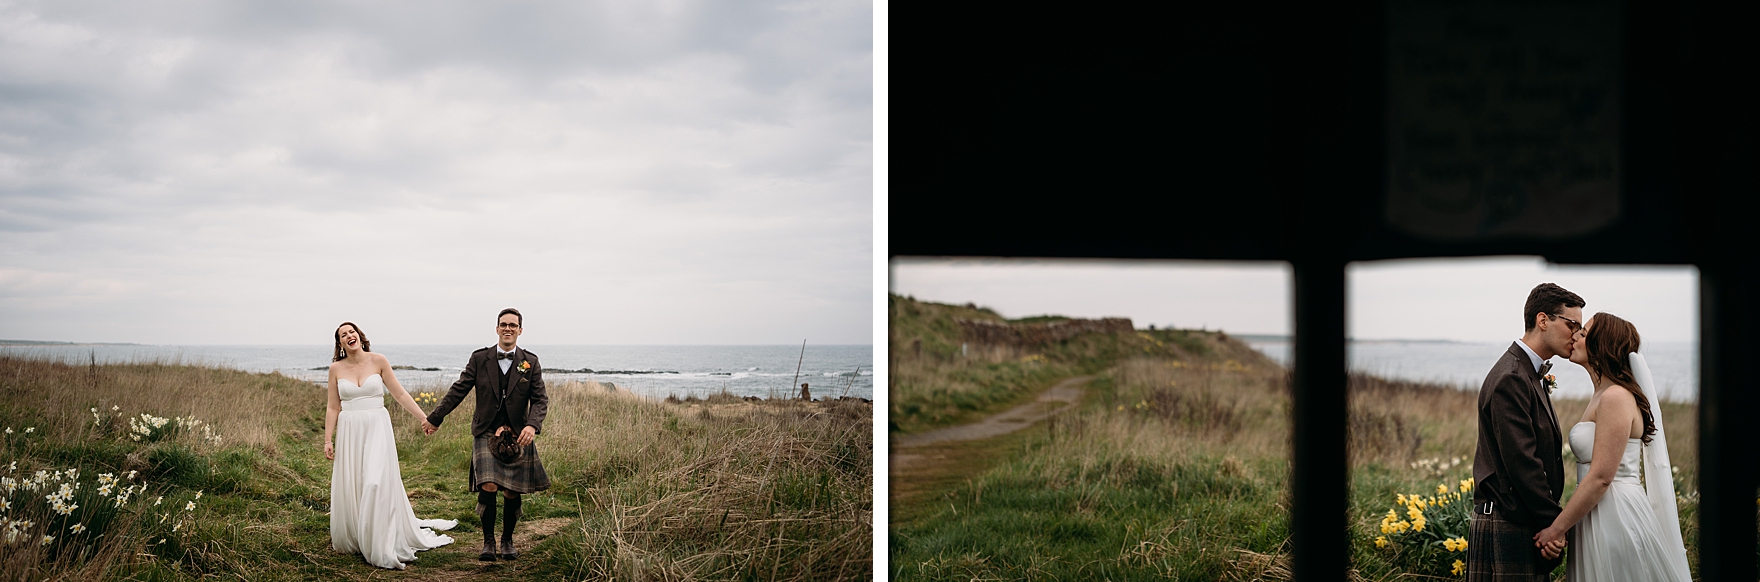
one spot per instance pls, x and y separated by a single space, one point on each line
1178 467
652 491
776 490
244 408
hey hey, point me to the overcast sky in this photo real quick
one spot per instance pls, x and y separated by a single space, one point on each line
1476 299
254 173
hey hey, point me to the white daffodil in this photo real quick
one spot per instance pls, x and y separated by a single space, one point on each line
191 506
78 528
48 539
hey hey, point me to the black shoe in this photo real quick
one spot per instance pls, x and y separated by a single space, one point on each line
507 551
488 554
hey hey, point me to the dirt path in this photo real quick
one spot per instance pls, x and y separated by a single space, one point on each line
934 460
463 563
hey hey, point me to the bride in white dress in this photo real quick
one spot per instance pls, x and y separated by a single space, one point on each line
369 512
1626 527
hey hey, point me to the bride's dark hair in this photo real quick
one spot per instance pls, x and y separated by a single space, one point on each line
1608 344
341 354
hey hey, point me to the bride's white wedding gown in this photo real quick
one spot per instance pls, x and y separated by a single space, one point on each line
1618 539
369 512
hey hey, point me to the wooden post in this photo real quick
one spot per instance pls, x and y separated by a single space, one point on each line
1319 493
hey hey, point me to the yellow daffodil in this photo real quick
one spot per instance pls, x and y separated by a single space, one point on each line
1401 498
1381 541
1459 567
1440 489
1448 544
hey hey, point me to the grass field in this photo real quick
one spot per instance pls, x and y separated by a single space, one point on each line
643 490
1176 466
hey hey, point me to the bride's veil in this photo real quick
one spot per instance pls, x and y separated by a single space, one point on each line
1658 474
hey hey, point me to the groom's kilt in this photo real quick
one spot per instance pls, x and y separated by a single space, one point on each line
1500 550
525 475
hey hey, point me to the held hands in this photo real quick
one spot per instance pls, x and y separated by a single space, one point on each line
1551 542
428 428
525 436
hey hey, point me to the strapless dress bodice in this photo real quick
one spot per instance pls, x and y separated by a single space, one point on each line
1583 444
366 396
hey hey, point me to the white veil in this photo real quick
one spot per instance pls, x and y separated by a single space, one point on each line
1658 474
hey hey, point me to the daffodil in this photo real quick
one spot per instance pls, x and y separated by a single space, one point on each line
48 539
1459 568
1440 489
78 528
191 506
1381 541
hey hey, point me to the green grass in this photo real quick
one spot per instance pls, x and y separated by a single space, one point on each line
935 384
1175 465
641 489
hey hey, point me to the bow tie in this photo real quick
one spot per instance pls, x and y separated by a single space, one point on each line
1545 367
504 356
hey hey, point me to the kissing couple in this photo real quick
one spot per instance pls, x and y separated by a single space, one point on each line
1619 524
369 511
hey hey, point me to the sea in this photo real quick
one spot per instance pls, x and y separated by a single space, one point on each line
653 371
1464 364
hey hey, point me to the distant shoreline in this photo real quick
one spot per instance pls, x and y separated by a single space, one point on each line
7 342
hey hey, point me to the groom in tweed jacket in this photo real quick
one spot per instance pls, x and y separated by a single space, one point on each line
1518 465
510 397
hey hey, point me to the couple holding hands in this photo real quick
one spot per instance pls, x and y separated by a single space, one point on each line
1621 523
369 511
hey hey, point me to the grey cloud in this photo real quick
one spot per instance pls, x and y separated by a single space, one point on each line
204 151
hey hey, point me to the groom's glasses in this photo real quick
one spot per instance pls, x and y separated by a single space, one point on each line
1572 322
507 325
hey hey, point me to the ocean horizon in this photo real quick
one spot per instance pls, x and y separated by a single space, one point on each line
655 371
1463 364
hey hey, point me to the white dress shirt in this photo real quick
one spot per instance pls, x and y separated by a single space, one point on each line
1533 358
506 363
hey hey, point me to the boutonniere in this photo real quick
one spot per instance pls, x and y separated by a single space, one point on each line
1551 384
526 366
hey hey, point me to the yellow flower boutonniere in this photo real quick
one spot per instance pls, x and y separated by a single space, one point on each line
1551 383
526 366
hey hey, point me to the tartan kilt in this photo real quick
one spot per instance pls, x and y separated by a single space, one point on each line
1500 550
523 476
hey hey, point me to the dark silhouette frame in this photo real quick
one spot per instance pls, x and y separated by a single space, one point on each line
1256 132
